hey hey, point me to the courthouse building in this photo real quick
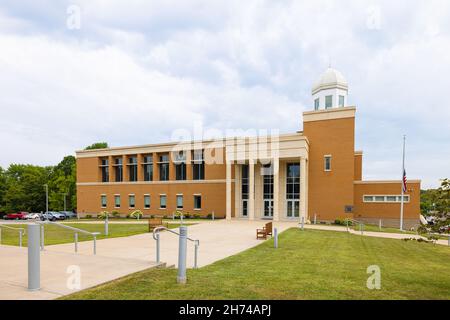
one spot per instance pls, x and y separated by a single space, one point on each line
315 172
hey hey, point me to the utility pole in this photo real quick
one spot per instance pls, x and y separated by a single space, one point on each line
46 200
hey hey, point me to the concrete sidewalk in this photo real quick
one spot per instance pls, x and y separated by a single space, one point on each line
118 257
94 270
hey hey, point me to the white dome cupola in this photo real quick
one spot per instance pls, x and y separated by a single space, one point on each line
330 91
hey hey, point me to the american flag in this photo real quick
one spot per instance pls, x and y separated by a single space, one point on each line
404 181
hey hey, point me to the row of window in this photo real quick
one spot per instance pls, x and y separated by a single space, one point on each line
147 201
329 102
385 198
198 167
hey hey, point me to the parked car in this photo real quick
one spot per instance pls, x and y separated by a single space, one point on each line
58 215
33 216
21 215
69 214
52 216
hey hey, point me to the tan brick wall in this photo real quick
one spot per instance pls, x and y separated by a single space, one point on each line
330 192
387 211
89 196
358 167
213 198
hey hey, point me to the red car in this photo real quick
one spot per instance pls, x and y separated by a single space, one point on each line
16 216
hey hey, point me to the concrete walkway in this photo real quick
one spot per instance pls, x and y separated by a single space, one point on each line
118 257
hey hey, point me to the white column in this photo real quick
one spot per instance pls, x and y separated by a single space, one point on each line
251 190
276 189
303 189
228 191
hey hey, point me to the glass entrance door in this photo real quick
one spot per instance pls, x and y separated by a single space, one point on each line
293 208
244 208
268 208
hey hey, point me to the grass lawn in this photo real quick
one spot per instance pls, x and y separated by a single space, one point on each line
58 235
308 265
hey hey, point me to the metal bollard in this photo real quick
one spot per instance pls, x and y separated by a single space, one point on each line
449 241
379 224
95 245
303 223
34 258
158 258
76 241
196 254
20 238
42 237
275 238
315 218
0 235
181 218
106 226
213 217
360 228
181 277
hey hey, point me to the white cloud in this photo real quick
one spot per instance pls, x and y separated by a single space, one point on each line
138 70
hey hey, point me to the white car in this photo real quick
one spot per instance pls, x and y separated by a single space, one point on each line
33 216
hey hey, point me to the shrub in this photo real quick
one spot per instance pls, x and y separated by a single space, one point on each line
102 215
115 214
196 216
187 216
209 216
136 214
88 216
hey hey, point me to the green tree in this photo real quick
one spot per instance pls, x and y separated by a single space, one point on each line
63 184
25 187
2 188
97 145
439 202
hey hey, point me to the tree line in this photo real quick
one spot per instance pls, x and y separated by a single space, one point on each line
22 185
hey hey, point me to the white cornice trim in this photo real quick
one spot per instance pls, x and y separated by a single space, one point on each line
329 114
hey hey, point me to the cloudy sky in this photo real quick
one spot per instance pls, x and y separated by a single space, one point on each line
132 72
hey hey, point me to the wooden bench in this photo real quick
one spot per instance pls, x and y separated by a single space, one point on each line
156 222
264 232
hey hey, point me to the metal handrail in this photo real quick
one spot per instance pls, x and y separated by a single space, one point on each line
75 230
356 222
156 237
20 230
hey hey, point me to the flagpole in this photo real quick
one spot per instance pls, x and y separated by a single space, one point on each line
403 176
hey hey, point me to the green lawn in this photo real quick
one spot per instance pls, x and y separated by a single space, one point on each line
58 235
308 265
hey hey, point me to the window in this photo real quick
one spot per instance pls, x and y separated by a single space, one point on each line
385 198
179 201
164 167
293 190
131 201
180 166
147 201
162 201
317 104
197 202
132 168
341 101
198 165
293 181
103 201
118 169
117 201
327 163
104 166
328 102
148 167
244 190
